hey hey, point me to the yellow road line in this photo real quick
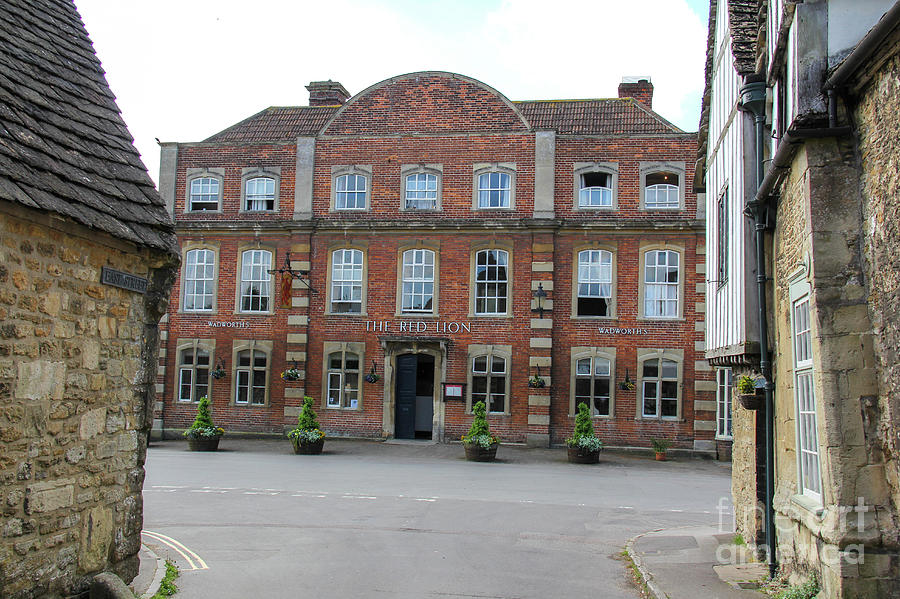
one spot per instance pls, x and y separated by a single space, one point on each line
183 551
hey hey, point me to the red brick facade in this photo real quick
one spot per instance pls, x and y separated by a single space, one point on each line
454 128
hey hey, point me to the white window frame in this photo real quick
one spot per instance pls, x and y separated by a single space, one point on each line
722 237
208 187
585 281
671 305
809 463
255 273
592 375
249 371
643 381
256 200
674 193
489 353
482 286
339 281
343 191
190 371
192 279
342 396
724 400
504 186
421 187
415 280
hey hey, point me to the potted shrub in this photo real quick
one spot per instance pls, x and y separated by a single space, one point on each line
307 438
203 435
480 444
660 446
748 393
584 446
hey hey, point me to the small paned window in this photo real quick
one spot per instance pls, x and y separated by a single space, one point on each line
204 194
343 380
659 392
592 384
489 374
594 283
250 377
804 385
255 280
661 282
418 281
723 403
661 190
259 194
595 191
491 280
722 238
421 191
493 190
199 280
350 192
193 374
346 281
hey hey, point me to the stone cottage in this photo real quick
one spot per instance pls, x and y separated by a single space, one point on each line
87 258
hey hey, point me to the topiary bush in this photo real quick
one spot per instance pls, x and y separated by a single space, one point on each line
307 430
480 432
203 427
583 436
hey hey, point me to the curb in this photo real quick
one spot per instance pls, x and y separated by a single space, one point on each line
655 591
157 575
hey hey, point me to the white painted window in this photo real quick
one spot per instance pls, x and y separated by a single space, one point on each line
343 380
251 373
193 374
351 192
804 390
493 190
659 388
723 403
418 281
661 191
259 193
421 191
255 280
204 194
491 280
595 190
199 280
661 283
594 283
346 281
489 374
722 238
592 384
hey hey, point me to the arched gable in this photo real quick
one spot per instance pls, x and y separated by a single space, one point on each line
426 102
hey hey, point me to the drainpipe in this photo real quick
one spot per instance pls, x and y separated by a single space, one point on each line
753 98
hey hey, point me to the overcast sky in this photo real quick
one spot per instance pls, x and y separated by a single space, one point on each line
185 69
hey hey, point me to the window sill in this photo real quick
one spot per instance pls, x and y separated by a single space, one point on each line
492 315
204 212
348 314
595 318
661 319
197 312
273 211
813 506
254 313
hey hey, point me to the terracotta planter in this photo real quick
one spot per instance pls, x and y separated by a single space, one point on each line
751 401
660 456
476 453
209 444
578 455
313 448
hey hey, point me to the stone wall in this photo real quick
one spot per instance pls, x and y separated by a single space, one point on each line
879 130
77 359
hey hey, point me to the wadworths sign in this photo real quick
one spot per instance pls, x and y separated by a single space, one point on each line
228 324
417 326
612 331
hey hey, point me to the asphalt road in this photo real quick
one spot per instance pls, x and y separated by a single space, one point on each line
412 520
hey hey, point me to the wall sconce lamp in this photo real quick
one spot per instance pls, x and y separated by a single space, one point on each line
539 294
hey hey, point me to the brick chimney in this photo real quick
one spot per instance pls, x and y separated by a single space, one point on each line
638 88
326 93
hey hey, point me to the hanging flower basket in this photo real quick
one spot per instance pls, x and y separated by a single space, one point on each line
290 375
218 373
372 377
537 382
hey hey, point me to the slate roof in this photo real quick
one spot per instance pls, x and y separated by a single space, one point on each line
63 145
277 123
594 117
588 117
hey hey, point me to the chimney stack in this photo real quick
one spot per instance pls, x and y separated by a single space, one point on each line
638 88
326 93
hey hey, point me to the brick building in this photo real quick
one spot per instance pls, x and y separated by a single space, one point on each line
453 243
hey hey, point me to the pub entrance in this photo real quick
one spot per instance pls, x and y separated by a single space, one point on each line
414 396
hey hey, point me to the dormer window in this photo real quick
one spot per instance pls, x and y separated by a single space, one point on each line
595 190
661 191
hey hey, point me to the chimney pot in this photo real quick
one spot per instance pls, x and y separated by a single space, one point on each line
638 88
